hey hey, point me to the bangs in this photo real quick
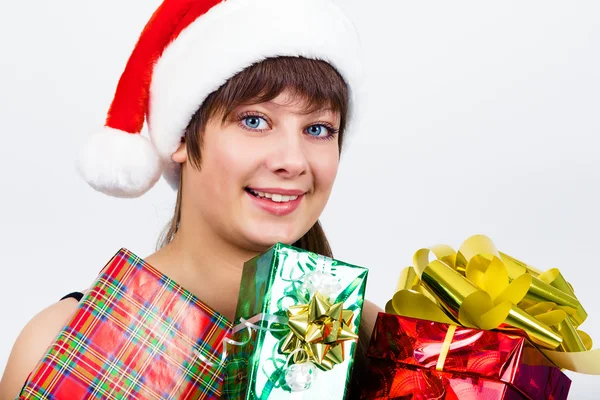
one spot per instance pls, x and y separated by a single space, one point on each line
314 84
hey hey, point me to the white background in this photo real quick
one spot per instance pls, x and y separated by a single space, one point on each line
482 118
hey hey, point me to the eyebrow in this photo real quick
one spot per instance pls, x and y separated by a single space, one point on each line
307 112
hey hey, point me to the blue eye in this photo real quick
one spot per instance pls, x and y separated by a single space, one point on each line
318 130
254 122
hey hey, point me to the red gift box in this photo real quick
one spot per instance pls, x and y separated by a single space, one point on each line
505 365
135 335
387 380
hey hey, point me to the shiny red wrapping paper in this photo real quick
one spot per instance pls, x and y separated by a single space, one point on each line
387 381
404 354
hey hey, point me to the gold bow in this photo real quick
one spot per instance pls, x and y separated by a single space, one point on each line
480 287
318 331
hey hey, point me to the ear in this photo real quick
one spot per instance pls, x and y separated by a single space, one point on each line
180 156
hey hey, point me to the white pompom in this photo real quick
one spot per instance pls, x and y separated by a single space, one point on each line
119 164
299 377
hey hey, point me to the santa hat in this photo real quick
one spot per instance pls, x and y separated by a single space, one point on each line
189 49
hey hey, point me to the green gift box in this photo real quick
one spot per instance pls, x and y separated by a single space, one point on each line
296 326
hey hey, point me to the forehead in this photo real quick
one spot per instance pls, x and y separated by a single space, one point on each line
297 103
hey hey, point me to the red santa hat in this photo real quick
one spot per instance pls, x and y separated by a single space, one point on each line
189 49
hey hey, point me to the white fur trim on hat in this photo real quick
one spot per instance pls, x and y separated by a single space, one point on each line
232 36
119 164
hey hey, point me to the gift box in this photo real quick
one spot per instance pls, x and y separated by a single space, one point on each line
297 322
480 313
135 335
386 380
442 358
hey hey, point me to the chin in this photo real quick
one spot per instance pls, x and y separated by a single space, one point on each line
265 240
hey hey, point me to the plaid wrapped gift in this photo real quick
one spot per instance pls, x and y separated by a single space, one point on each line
136 335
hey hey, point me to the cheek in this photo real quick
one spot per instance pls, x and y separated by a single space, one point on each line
228 162
325 168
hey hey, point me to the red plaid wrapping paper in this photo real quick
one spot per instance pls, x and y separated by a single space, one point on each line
134 336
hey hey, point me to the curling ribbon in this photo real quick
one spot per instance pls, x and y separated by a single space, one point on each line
248 324
480 287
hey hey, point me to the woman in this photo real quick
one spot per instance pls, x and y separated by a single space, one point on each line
248 103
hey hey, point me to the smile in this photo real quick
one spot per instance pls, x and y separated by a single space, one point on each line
276 201
276 197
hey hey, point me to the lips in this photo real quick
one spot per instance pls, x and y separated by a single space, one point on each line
276 201
286 192
276 197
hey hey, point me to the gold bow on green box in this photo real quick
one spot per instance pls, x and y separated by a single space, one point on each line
319 329
480 287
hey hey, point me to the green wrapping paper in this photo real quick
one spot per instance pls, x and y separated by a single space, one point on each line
297 322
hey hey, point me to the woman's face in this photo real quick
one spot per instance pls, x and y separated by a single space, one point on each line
266 174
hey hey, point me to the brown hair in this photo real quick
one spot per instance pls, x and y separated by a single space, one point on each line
314 81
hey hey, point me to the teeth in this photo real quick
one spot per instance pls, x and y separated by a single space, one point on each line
278 198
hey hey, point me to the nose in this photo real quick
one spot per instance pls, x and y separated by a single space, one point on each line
288 158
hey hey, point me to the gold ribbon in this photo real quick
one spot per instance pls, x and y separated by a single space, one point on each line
480 287
445 348
320 329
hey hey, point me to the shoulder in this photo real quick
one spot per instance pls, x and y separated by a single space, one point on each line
32 343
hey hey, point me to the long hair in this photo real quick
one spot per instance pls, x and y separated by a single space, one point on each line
314 81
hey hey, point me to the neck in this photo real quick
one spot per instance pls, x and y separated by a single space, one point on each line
206 265
208 253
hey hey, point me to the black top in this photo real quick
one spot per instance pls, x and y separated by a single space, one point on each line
76 295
